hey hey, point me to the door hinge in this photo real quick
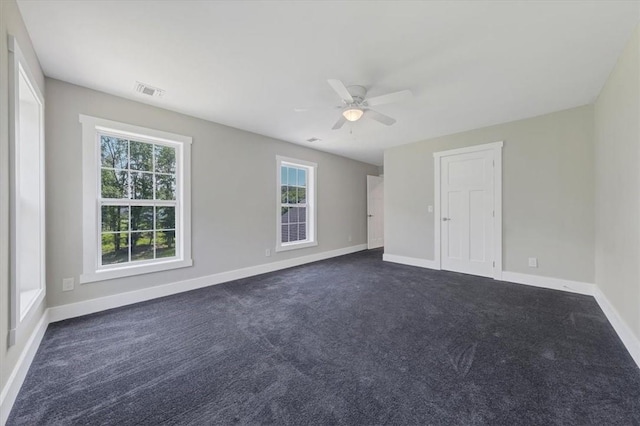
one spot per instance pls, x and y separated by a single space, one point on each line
494 263
493 213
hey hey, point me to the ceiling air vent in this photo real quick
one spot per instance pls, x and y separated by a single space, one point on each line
313 140
145 89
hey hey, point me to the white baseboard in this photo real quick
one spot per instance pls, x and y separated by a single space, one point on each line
514 277
549 282
19 373
625 333
62 312
411 261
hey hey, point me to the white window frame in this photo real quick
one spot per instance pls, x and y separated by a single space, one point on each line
22 310
92 128
312 217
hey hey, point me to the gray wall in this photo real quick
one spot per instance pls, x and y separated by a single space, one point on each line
548 193
233 193
11 23
617 144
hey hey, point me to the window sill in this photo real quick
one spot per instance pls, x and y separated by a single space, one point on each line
295 246
128 271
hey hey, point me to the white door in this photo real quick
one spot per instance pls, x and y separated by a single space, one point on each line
467 212
375 211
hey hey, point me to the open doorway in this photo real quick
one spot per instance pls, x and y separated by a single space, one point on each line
375 212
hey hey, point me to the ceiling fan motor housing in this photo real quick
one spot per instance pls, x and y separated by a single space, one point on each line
358 93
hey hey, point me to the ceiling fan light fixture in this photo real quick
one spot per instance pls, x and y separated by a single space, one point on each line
353 114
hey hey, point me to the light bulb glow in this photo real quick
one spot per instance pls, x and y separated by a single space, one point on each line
352 114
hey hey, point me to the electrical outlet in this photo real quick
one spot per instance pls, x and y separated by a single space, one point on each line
267 252
349 238
67 284
533 262
430 209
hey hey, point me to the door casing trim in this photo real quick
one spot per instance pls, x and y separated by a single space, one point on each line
496 147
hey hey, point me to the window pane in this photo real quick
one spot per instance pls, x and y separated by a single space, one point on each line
141 156
283 176
165 187
115 184
292 194
114 152
141 219
142 185
302 177
302 214
115 248
165 217
302 195
302 231
165 244
165 159
115 218
284 198
29 191
141 245
285 233
285 214
293 232
292 176
293 214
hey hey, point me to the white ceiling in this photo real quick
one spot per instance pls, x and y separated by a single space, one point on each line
248 64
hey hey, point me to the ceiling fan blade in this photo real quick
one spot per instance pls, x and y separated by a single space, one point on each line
381 118
389 98
339 123
341 90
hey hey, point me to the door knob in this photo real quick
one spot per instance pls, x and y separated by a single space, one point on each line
444 219
369 215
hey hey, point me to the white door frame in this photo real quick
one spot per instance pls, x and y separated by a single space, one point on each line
497 199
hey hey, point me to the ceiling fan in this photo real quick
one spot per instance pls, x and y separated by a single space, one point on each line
356 103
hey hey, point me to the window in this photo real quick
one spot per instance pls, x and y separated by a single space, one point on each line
137 196
27 189
296 224
137 200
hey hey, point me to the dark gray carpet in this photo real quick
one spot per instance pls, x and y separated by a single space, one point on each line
351 341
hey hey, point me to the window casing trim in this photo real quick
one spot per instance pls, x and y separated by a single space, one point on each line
19 314
312 234
92 128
